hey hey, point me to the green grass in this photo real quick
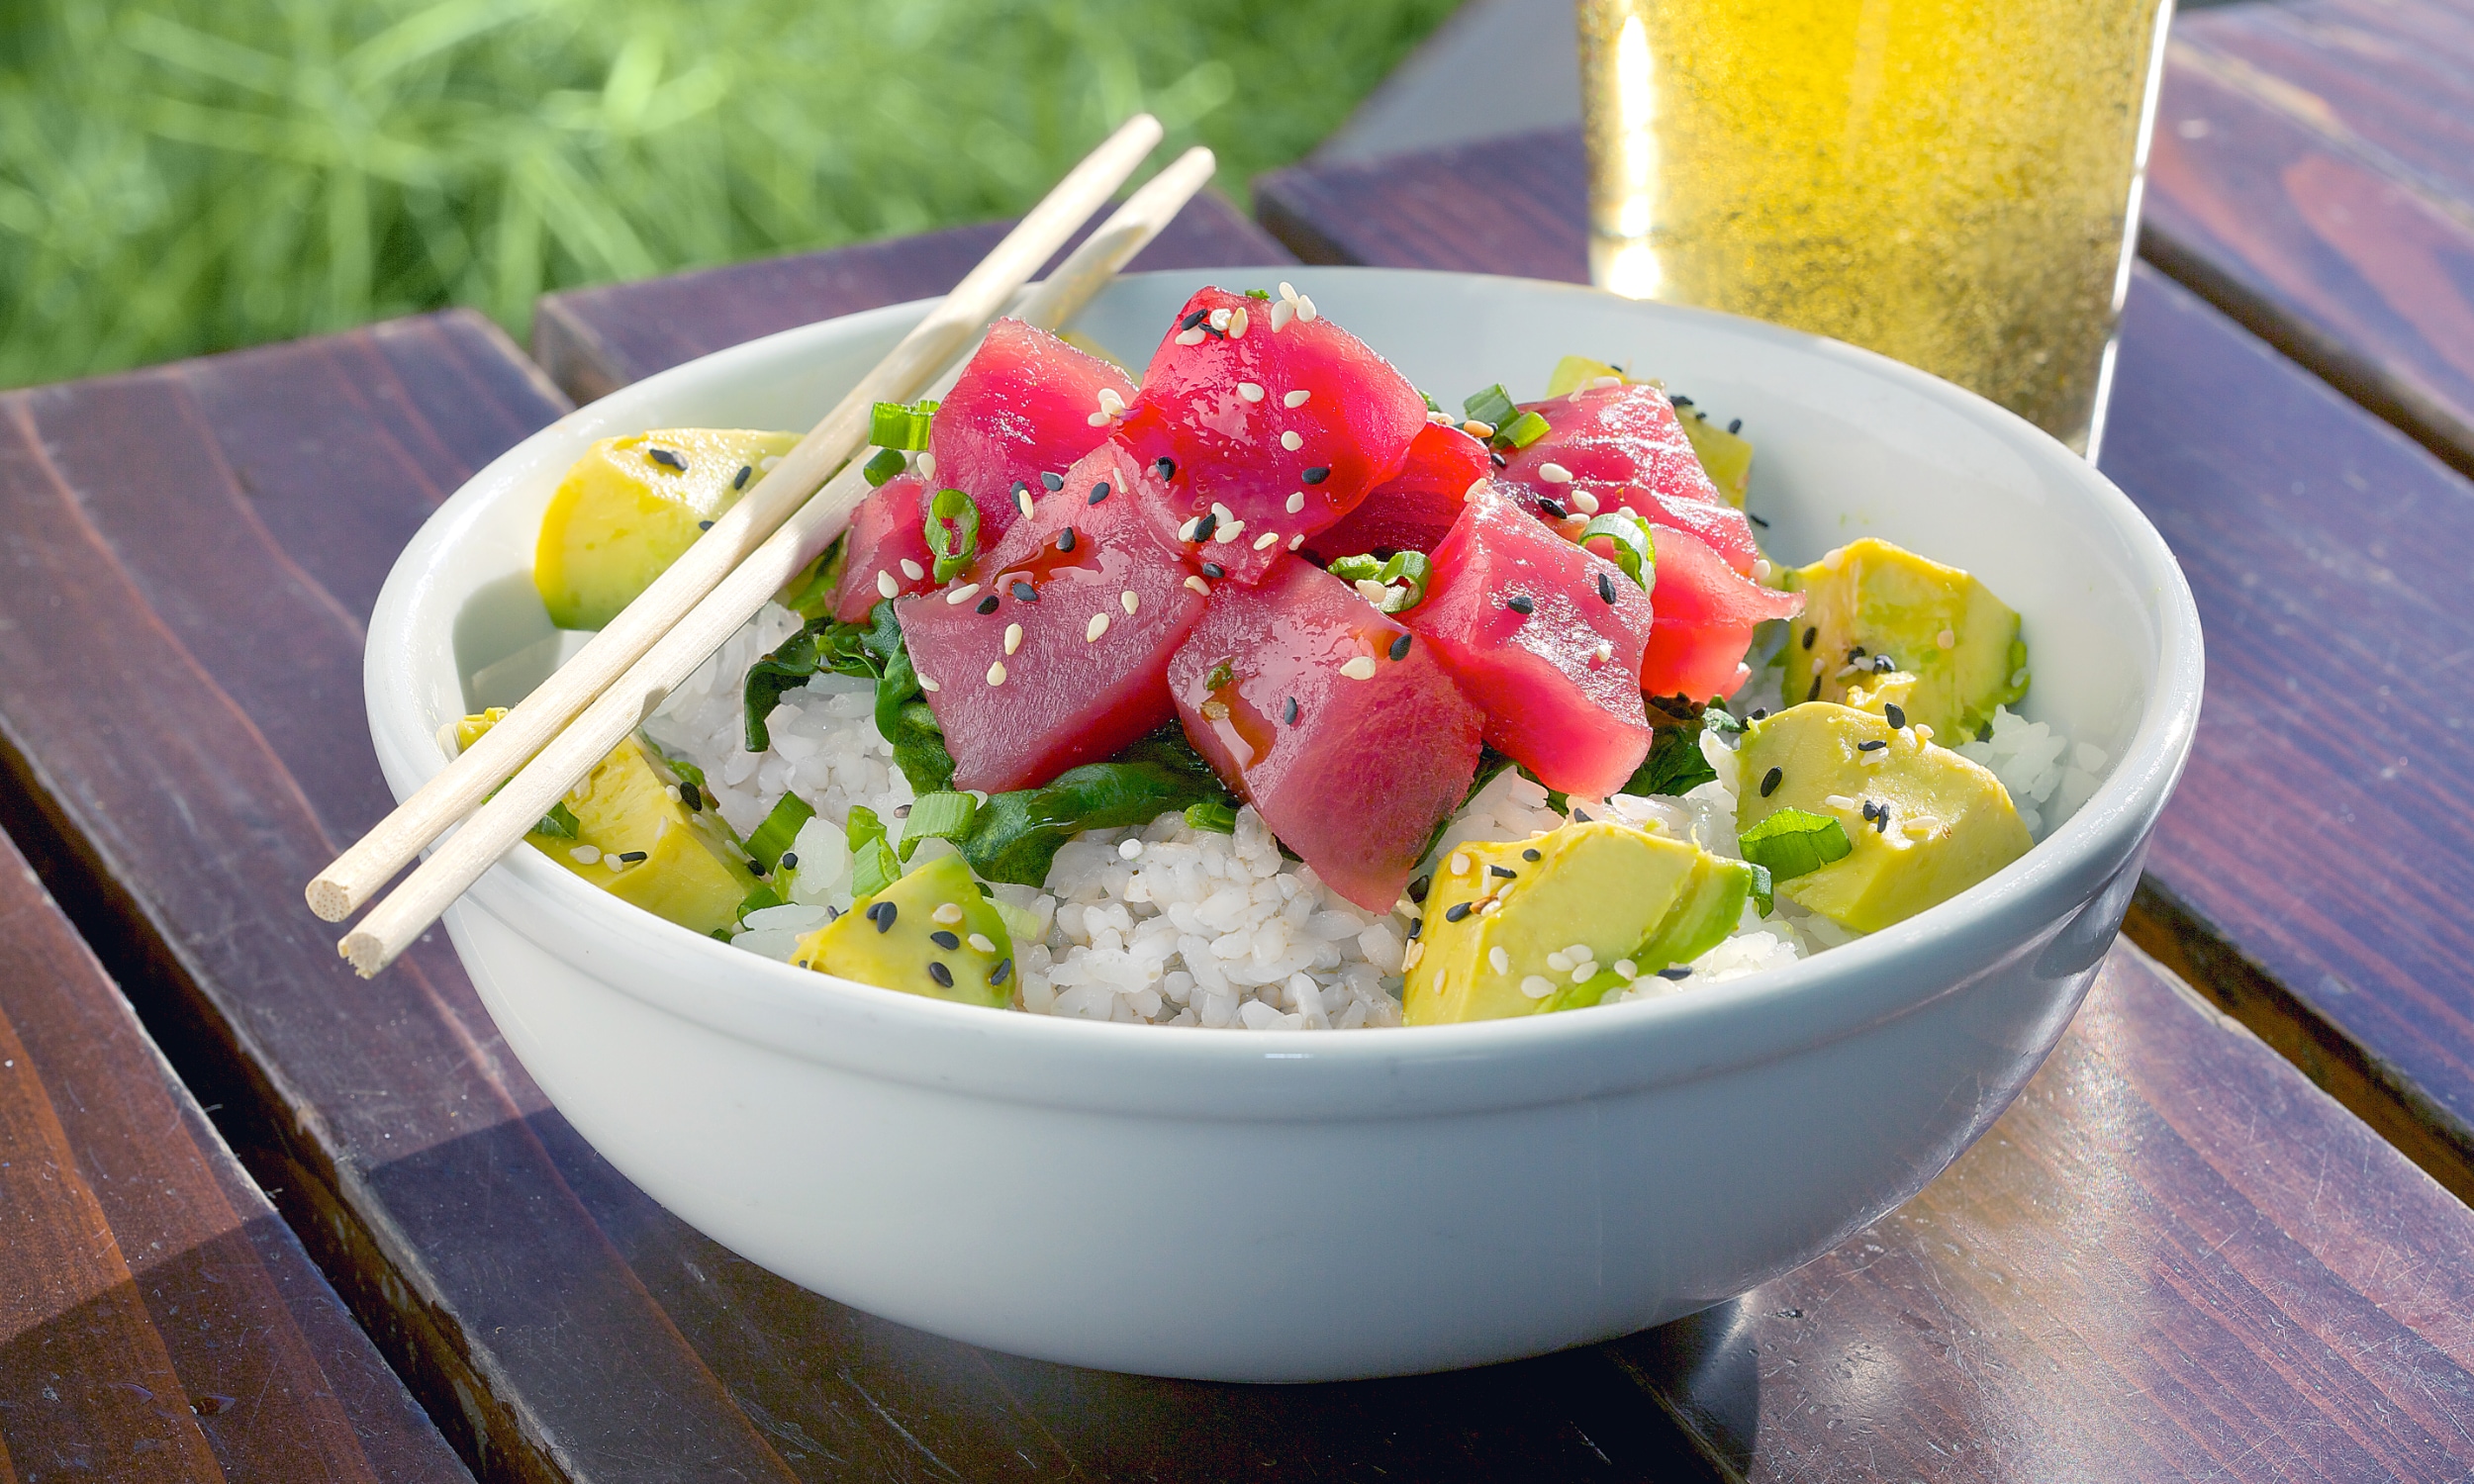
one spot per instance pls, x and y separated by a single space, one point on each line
190 175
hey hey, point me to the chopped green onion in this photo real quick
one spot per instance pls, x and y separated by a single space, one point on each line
1521 432
1630 537
688 773
886 463
1223 676
559 821
757 900
895 426
780 828
1765 890
872 864
1258 293
1721 720
1493 405
953 532
1213 815
1794 842
1432 405
937 817
1408 567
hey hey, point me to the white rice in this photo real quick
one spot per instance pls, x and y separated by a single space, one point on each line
1197 928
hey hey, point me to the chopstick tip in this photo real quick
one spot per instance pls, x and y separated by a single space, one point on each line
330 899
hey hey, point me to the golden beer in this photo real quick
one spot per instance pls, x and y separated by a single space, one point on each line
1954 184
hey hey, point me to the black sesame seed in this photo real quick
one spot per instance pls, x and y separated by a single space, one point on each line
1581 816
1606 588
790 860
1001 972
1770 782
1288 713
1194 318
1883 664
1400 647
1881 822
1735 427
693 797
1025 592
739 481
1456 911
1553 509
832 913
1215 571
666 458
1419 887
1815 692
1021 488
1316 475
1064 539
1875 744
987 605
1205 527
1167 467
901 812
886 911
1498 460
1054 482
944 938
1674 973
1681 400
1417 925
704 526
1757 520
1811 634
1099 491
1532 855
944 976
1895 715
1760 713
1521 602
631 857
1855 654
1505 871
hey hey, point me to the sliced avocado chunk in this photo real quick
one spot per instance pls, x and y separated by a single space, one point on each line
929 933
1925 823
687 868
1870 598
630 505
1634 903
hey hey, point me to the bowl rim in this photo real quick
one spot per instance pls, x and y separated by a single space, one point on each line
1053 1060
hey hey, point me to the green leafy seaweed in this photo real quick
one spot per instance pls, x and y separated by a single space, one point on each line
560 821
1675 764
1015 836
810 594
903 715
821 646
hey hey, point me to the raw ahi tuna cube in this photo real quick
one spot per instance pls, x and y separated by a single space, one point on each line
1547 638
884 553
1621 448
1024 408
1706 613
1333 721
1410 511
1054 651
1268 434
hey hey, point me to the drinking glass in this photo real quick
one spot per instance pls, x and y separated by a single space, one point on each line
1954 184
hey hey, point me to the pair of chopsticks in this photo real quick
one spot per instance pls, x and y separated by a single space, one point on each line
542 746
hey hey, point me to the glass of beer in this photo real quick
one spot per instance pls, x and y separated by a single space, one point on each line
1954 184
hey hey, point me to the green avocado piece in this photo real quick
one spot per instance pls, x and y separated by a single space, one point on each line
933 918
1949 823
1634 903
1870 598
687 869
627 509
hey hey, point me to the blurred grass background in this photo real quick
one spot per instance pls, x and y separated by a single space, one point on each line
190 175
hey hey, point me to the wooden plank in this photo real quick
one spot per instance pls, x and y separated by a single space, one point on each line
2324 549
595 340
157 1318
2310 177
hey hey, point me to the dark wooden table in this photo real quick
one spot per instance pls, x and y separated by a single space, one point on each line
2173 1257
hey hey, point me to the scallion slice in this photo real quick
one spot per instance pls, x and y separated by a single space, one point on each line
937 817
1492 405
1403 576
1794 842
1630 545
900 425
886 463
1213 815
953 532
1524 430
780 828
872 864
560 821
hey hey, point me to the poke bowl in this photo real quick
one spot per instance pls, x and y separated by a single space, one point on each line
1275 1179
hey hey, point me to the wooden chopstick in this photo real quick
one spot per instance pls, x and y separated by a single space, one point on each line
361 871
501 822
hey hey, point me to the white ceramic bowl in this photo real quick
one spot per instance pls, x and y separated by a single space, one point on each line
1252 1206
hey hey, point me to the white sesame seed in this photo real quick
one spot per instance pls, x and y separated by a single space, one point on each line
1296 540
1267 540
1417 950
1129 848
1922 825
1584 972
996 673
1585 501
1487 909
1013 637
1199 586
1305 309
1498 960
927 463
1536 985
884 583
980 941
1281 314
1297 502
1605 651
1555 474
1222 514
1945 640
1924 733
1625 969
1844 670
1442 419
1296 398
1098 419
1841 801
1360 668
1288 291
1109 402
928 684
1579 953
586 855
1560 961
1194 337
1600 383
1460 860
1022 501
1129 601
1290 442
948 914
963 594
1229 531
1218 319
1092 630
1760 569
1478 428
1371 591
1249 391
1185 532
765 465
912 570
2019 677
1237 323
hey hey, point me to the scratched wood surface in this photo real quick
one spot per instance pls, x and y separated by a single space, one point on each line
2313 176
593 341
2311 867
157 1320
